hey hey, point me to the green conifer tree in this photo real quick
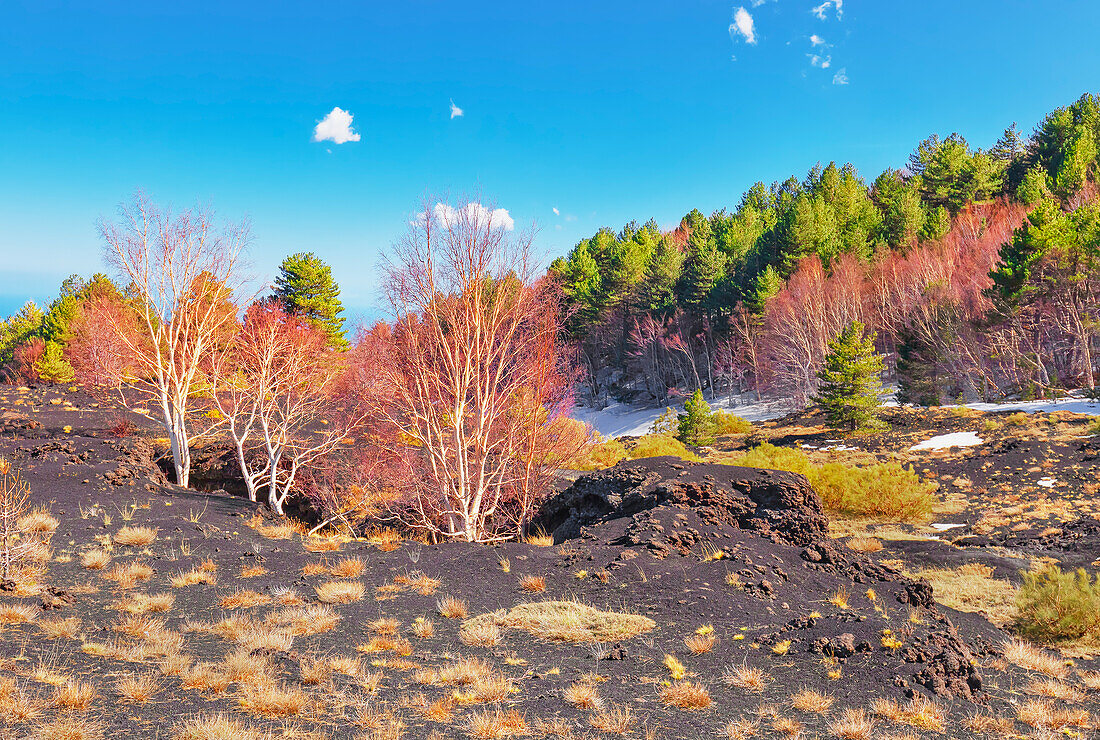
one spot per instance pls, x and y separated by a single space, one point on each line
305 288
850 384
695 426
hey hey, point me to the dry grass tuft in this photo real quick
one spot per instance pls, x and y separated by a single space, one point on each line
137 689
919 712
194 577
497 723
339 592
1055 689
864 544
583 695
1025 655
809 700
614 720
145 603
135 536
58 627
423 628
568 621
686 695
533 584
39 521
852 724
323 544
127 576
972 588
988 724
74 696
244 599
97 559
17 613
745 677
741 729
216 727
69 727
252 571
347 568
699 644
480 634
452 608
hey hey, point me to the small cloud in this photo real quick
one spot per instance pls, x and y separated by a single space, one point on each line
477 214
743 25
456 112
816 40
820 61
571 217
821 10
841 77
556 211
335 127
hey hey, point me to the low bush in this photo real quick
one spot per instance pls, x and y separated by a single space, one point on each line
656 445
727 423
603 454
883 490
1054 605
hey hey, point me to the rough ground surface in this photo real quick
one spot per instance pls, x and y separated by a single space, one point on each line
743 555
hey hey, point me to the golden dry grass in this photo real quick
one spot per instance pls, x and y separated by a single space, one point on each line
69 727
852 724
17 613
972 588
493 724
809 700
533 584
244 599
423 628
614 720
60 627
96 559
136 689
918 712
1027 656
583 695
568 621
74 695
216 727
864 544
39 521
480 634
699 644
339 592
745 677
686 695
135 536
452 608
347 568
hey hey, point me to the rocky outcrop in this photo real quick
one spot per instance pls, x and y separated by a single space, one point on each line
777 505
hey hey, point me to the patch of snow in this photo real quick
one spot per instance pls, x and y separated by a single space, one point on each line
1068 403
940 527
623 420
838 448
954 439
1047 482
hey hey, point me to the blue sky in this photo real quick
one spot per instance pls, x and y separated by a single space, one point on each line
605 111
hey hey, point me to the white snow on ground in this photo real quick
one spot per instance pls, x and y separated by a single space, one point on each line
622 420
1047 482
943 441
1076 405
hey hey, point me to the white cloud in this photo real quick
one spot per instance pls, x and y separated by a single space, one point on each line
841 77
816 40
335 127
743 25
477 214
820 10
820 61
556 211
456 112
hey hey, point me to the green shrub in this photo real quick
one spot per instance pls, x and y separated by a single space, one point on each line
883 490
990 426
1055 606
603 454
655 445
1019 419
725 423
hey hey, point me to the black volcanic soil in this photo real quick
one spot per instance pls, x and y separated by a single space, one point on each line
745 553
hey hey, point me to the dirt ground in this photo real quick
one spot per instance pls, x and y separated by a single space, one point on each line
164 612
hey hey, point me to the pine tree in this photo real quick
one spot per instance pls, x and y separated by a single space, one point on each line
850 385
694 425
305 288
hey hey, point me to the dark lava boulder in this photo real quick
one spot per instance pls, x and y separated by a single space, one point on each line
774 504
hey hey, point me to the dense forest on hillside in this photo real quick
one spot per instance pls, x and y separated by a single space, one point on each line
976 269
